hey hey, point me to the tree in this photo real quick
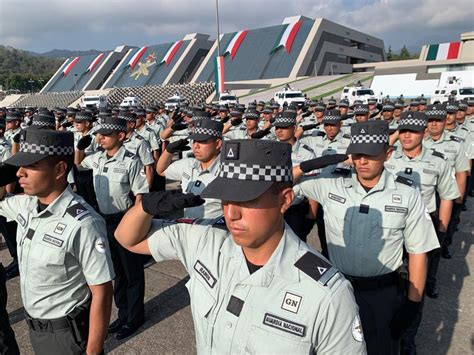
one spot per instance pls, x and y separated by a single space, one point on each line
389 53
404 53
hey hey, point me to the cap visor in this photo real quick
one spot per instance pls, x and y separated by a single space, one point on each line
105 131
235 190
24 159
199 137
370 150
411 128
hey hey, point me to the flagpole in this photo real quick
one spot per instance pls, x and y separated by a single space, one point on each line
218 32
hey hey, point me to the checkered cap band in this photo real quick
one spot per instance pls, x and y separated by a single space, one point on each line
470 101
414 103
208 132
452 107
462 105
288 120
320 107
412 122
435 114
33 148
255 172
113 127
378 139
251 115
331 118
130 118
200 118
361 110
389 107
37 123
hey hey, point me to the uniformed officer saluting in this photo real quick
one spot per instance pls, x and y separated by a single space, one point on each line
369 217
255 287
118 176
65 264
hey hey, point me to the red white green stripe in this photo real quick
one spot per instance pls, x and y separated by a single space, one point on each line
95 62
443 51
235 43
171 52
136 57
288 36
70 65
219 74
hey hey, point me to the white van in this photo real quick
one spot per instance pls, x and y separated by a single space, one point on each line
99 101
227 98
130 101
358 92
441 95
288 96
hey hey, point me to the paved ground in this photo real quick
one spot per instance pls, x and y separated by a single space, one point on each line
447 326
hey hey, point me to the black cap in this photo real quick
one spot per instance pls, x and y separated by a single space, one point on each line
200 115
2 123
71 111
452 107
470 101
110 125
37 144
361 109
151 109
140 112
368 138
43 120
127 115
12 116
412 121
285 119
436 112
251 114
332 117
372 101
344 103
249 168
388 106
320 106
207 129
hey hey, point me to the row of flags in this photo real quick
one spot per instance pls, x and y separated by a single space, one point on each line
71 62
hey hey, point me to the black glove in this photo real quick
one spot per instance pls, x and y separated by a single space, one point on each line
260 134
178 146
236 122
272 119
310 126
225 119
306 114
7 174
373 114
391 131
347 116
84 142
322 162
179 126
16 138
403 318
160 202
175 115
66 124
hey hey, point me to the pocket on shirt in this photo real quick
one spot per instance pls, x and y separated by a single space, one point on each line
119 182
46 265
271 341
202 303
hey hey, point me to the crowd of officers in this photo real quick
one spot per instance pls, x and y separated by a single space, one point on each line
82 191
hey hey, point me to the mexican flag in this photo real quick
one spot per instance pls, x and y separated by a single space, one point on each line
287 36
70 65
94 63
171 52
235 43
219 74
443 51
136 58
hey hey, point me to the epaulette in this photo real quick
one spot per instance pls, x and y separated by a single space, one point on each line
456 139
139 137
464 128
129 154
78 211
316 267
439 154
320 134
308 148
404 180
346 135
342 171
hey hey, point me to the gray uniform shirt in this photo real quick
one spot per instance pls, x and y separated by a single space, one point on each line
452 149
150 136
430 174
91 149
61 251
9 134
139 146
5 149
194 180
115 178
366 231
322 145
277 309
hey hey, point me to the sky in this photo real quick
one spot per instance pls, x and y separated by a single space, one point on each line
43 25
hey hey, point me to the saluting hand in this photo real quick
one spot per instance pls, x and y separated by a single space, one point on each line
84 142
7 174
322 162
178 146
160 202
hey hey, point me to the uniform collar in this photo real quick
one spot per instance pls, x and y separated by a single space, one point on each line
118 156
58 207
421 157
386 181
280 263
441 138
335 139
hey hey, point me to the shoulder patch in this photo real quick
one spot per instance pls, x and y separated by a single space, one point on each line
316 267
78 211
404 180
346 135
139 137
321 134
456 139
308 148
438 154
129 154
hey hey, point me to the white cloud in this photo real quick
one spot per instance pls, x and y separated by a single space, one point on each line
78 24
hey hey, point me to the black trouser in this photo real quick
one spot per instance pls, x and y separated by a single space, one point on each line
453 222
434 255
322 231
378 298
297 218
85 186
8 345
66 335
8 230
129 283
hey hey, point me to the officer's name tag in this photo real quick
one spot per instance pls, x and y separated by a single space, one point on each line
337 198
283 324
205 274
120 171
429 171
21 220
52 240
396 209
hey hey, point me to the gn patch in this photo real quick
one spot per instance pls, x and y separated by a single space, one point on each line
205 274
284 325
60 228
291 302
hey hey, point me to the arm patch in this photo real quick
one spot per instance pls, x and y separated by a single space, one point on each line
308 148
78 211
404 180
316 267
439 154
456 139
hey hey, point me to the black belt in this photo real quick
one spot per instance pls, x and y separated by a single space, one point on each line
47 325
374 282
